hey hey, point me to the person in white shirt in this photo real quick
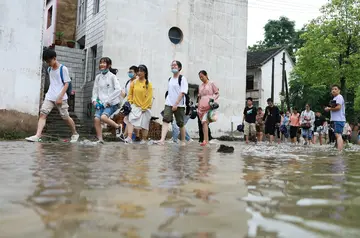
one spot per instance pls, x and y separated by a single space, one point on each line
105 98
337 114
307 119
175 102
56 96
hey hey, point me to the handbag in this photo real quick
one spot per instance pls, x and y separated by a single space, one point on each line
305 125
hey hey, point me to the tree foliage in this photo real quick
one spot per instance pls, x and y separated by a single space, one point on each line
302 93
330 54
280 33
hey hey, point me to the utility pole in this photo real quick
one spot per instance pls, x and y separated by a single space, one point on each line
272 78
283 82
287 93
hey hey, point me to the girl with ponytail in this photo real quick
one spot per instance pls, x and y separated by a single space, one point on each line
140 97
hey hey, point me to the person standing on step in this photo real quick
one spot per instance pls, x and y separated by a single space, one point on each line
249 120
175 102
56 96
105 98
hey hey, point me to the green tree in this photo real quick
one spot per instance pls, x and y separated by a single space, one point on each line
330 54
301 93
280 33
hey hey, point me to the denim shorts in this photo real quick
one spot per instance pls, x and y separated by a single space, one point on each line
338 127
108 111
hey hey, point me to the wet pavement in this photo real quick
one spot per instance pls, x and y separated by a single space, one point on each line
117 190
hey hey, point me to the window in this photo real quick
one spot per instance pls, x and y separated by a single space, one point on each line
49 17
82 11
250 82
96 6
175 35
94 63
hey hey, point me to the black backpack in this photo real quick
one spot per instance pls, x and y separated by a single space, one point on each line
187 98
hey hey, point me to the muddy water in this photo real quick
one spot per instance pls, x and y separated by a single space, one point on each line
116 190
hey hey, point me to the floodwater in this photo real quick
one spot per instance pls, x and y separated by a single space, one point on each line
116 190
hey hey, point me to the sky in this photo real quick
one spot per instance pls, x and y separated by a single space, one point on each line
260 11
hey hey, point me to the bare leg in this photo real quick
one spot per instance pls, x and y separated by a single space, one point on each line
164 131
271 138
206 132
41 125
144 134
109 121
97 124
130 130
261 135
182 133
71 124
340 142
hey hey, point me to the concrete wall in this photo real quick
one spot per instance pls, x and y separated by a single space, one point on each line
266 76
49 33
214 39
21 37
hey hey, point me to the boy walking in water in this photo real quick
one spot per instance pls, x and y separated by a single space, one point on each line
55 97
337 113
249 119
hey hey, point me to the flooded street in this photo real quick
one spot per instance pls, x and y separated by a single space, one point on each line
117 190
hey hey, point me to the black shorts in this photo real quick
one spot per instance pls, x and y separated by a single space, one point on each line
270 129
293 131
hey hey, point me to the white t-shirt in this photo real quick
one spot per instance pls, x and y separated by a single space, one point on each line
56 84
340 114
174 89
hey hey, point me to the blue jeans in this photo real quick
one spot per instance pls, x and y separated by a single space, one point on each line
108 111
338 127
176 130
307 133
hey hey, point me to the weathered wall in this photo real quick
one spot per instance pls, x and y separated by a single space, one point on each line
66 18
21 37
266 77
49 33
74 59
214 39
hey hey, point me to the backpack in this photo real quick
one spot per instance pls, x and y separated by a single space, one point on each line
187 98
69 90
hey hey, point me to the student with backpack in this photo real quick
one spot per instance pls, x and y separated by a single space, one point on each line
189 109
56 96
175 102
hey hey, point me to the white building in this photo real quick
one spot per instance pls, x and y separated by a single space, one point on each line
259 74
20 51
209 35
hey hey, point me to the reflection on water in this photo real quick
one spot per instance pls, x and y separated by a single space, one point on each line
116 190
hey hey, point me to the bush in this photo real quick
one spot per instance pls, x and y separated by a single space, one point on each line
16 125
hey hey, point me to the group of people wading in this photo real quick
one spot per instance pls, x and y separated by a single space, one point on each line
134 101
307 124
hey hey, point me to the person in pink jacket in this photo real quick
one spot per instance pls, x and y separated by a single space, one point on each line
208 92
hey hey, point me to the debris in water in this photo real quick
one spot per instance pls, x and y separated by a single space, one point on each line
225 149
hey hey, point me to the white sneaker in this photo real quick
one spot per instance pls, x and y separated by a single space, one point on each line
119 131
74 138
33 139
128 140
142 142
100 141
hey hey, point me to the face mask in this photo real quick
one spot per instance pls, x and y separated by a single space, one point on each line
131 75
104 71
174 71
